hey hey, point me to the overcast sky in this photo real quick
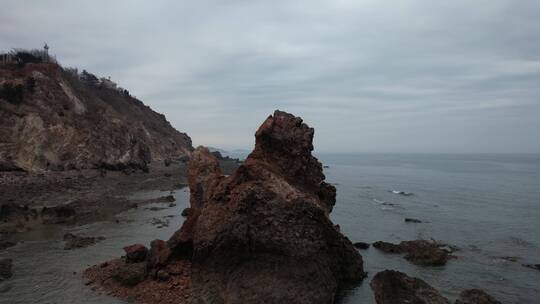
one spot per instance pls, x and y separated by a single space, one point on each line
369 76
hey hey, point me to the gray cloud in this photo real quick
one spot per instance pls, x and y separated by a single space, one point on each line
391 76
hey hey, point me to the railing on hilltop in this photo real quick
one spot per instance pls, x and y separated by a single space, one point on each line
21 57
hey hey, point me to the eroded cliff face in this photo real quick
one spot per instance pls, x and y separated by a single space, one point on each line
263 235
60 122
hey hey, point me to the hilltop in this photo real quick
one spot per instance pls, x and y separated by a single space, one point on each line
55 118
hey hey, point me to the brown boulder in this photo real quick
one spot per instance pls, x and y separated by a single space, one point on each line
135 253
475 296
263 234
425 253
159 254
394 287
419 252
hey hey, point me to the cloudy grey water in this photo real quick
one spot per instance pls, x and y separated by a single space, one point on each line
487 205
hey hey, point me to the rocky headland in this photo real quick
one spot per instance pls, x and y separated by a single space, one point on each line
53 118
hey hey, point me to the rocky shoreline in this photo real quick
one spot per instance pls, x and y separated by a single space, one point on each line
76 197
72 198
256 231
263 235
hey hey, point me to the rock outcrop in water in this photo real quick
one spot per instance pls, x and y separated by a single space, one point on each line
475 296
51 118
73 241
5 269
263 235
394 287
420 252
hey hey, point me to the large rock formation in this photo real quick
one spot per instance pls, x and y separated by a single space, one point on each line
263 235
51 118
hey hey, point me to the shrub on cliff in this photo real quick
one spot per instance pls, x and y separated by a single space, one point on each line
12 93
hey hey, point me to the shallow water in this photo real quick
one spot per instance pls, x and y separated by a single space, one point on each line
487 205
46 273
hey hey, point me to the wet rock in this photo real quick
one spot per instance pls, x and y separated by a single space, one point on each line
155 208
412 220
263 234
418 252
179 186
163 276
394 287
6 271
160 222
130 274
388 247
509 258
475 296
6 244
58 214
10 212
5 287
135 253
73 241
158 255
425 253
532 266
169 198
361 245
186 212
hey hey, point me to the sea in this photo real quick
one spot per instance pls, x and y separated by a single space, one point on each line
486 205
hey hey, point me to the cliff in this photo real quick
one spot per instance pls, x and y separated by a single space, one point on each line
55 119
